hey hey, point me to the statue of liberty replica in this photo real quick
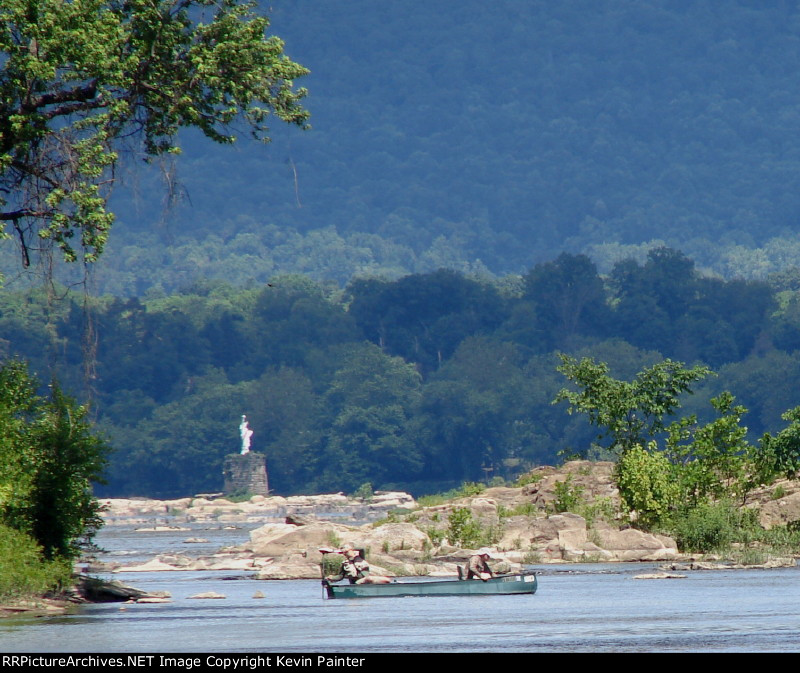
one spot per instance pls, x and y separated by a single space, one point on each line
245 472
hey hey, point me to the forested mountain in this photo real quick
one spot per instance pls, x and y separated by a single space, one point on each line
419 383
490 137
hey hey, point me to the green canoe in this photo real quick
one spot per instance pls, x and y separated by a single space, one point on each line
505 584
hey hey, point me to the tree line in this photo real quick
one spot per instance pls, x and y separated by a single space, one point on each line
422 382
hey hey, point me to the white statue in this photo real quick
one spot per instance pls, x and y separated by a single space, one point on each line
246 433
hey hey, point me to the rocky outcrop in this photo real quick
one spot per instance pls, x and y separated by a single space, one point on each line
284 539
567 538
393 538
291 551
592 480
630 544
780 511
257 509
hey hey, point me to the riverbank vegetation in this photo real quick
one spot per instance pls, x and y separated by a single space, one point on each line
50 459
24 572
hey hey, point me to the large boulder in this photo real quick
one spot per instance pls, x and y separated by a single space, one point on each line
293 566
388 500
634 545
525 532
392 537
283 539
780 511
98 590
483 508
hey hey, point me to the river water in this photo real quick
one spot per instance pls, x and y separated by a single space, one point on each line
578 608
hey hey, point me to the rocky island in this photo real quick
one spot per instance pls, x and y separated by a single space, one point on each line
525 525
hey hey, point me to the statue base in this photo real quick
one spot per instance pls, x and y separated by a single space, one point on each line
245 473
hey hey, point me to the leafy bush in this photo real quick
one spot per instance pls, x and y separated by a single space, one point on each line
364 491
471 488
522 509
601 509
779 492
23 572
782 539
529 478
435 534
332 564
569 496
713 527
646 484
463 530
239 495
50 457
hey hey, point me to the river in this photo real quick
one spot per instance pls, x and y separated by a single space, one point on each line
578 608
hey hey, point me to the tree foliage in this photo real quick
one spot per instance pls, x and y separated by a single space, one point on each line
783 450
50 457
628 412
424 382
716 459
79 79
695 463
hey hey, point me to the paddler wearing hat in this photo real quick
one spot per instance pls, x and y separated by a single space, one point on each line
477 567
355 567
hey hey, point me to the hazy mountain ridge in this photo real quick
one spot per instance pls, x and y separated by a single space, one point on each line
492 137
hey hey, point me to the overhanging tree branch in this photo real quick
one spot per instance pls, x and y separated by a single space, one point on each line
79 78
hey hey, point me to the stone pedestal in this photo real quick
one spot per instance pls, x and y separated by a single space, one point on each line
245 473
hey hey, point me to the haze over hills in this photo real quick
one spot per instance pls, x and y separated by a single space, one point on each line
490 137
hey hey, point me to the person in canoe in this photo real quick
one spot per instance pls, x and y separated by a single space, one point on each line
477 567
355 568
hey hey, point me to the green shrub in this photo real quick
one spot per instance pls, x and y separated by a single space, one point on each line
470 489
713 527
364 492
333 539
779 492
463 530
523 509
332 564
601 509
50 457
239 495
647 484
783 540
23 571
436 535
568 495
530 478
